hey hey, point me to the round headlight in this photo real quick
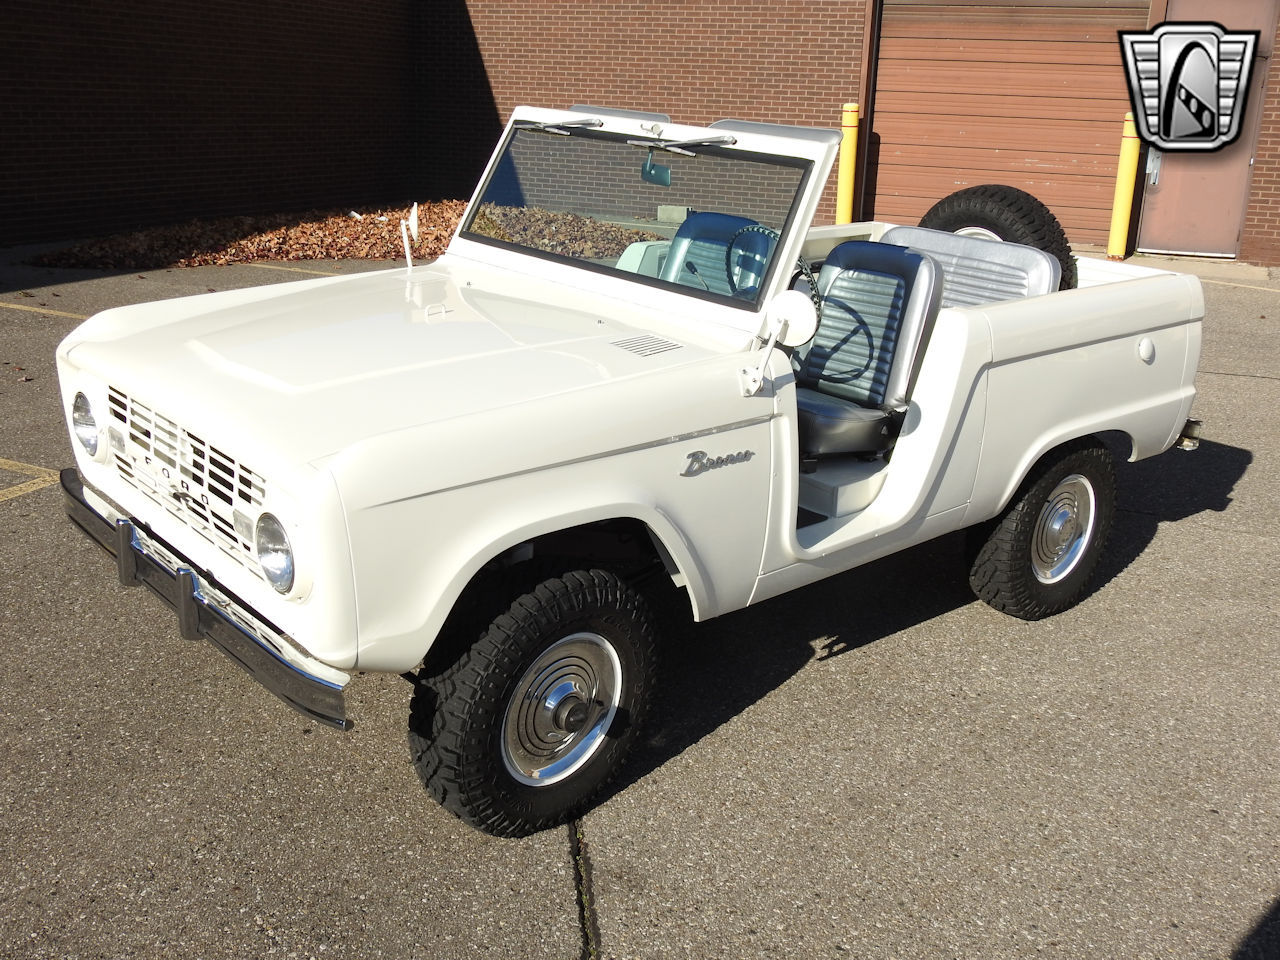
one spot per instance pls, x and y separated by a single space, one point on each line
275 555
82 422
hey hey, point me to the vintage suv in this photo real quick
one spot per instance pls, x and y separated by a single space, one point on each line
636 364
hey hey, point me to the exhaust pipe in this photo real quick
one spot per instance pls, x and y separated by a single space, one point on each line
1189 439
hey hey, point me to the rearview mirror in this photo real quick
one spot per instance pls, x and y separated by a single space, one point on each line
652 172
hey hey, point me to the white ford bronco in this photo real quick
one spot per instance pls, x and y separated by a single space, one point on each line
636 363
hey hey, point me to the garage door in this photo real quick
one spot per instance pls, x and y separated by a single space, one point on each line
1029 93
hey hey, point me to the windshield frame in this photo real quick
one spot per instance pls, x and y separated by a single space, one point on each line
804 165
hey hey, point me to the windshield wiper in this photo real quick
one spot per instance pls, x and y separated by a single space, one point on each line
557 126
681 146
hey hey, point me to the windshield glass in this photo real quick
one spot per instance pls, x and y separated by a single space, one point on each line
695 215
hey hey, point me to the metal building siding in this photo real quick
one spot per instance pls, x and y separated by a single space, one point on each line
1029 93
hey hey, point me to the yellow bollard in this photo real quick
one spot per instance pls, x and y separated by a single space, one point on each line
1126 177
848 154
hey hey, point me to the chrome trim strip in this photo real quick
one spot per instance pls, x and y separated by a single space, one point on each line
618 451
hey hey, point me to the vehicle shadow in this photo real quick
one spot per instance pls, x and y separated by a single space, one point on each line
1263 941
713 671
1167 488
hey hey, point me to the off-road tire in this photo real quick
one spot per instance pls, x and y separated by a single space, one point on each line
458 718
1008 213
1004 556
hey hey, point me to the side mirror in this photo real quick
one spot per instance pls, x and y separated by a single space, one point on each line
651 172
792 318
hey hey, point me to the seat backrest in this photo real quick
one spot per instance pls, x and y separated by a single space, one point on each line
703 240
976 270
879 303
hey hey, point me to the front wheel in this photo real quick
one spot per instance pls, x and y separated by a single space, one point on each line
1037 558
524 729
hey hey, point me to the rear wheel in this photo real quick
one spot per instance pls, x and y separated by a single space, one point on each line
523 730
1037 558
994 211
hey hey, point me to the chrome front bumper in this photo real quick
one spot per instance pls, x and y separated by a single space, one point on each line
205 609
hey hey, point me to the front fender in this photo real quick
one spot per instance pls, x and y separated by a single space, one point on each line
414 558
388 645
421 530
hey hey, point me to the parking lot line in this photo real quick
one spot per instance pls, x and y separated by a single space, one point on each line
272 266
1232 283
6 305
42 477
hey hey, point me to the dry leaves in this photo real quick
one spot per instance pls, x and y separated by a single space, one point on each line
567 234
373 235
370 235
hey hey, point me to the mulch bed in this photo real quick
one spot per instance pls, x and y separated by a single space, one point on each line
367 234
370 234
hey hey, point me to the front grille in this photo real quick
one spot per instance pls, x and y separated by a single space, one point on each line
195 482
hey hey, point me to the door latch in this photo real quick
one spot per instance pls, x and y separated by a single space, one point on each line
1154 158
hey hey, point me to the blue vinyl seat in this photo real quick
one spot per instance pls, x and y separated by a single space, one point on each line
854 379
700 255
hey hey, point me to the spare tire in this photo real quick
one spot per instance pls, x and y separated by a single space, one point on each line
999 212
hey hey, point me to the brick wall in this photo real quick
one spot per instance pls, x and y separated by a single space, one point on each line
698 61
1260 237
137 112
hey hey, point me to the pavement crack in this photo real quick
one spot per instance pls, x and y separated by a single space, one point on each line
1241 376
588 922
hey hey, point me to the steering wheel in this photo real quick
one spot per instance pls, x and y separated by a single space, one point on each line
728 250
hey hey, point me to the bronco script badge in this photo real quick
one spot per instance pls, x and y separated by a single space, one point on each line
1188 83
700 462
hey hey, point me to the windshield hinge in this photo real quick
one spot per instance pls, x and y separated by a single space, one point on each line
753 378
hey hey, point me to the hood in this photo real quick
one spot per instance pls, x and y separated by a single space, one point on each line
321 364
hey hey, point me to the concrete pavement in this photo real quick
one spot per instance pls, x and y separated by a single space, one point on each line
876 766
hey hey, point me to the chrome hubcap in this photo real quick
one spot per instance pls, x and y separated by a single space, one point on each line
561 709
982 233
1063 529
